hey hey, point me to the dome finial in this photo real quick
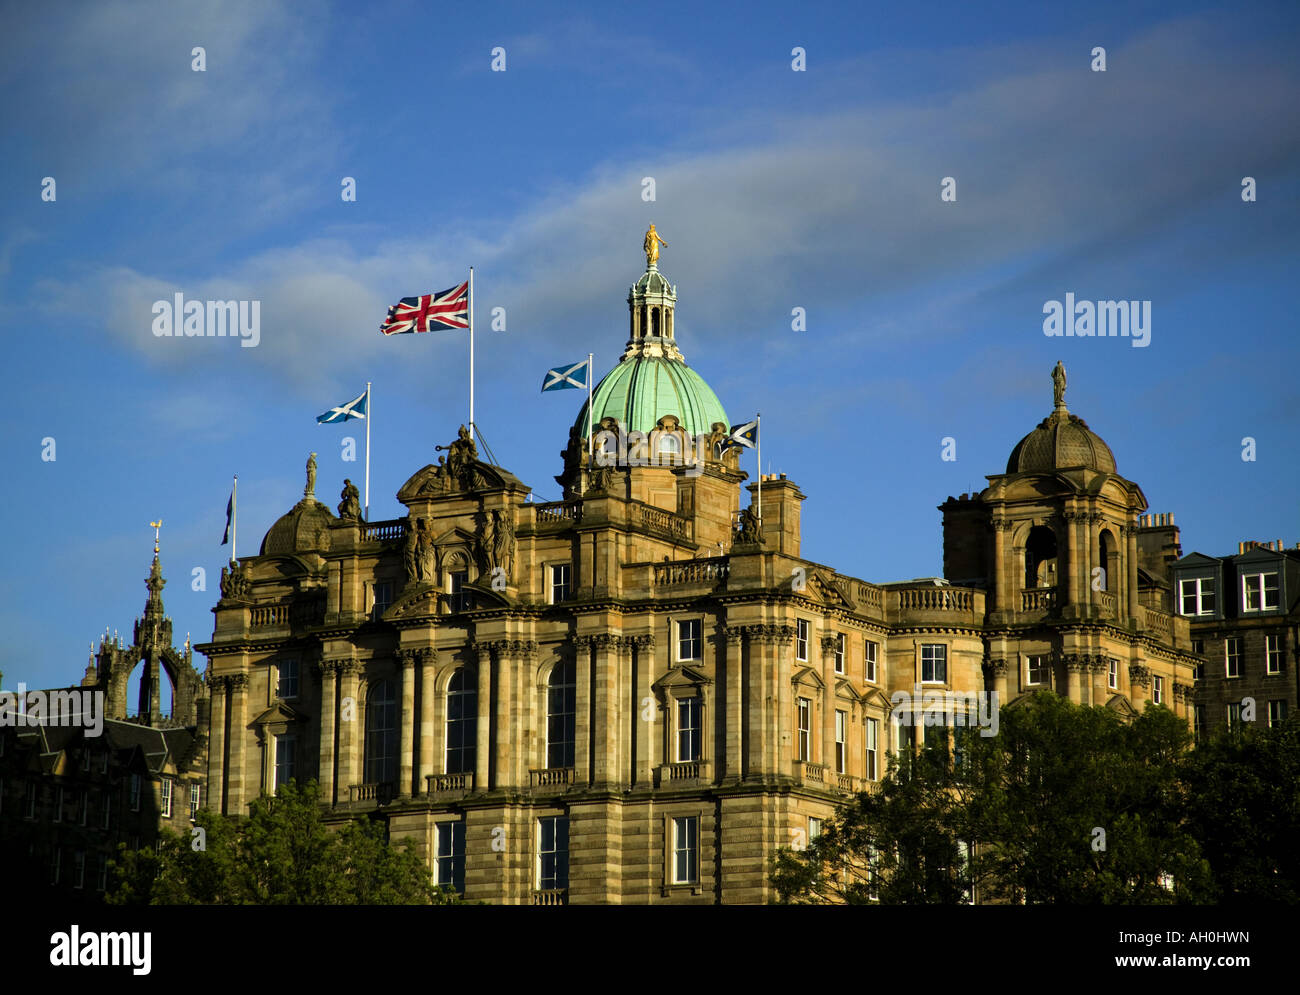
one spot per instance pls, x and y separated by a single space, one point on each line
1058 385
651 247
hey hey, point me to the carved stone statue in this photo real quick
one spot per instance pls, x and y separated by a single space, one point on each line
749 531
462 454
310 490
350 506
234 582
411 553
500 543
427 556
717 436
1058 384
651 246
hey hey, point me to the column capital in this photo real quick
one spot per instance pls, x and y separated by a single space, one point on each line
644 641
1001 524
999 666
1139 674
238 682
216 684
830 644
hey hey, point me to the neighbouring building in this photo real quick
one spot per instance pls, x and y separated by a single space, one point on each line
637 694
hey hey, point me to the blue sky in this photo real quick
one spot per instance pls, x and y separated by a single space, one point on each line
774 189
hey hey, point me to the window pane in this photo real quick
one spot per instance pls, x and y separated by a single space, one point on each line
561 712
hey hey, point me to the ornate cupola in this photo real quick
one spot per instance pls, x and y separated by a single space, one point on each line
650 304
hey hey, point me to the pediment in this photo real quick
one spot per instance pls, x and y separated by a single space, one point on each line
414 602
278 712
876 699
681 677
808 677
821 587
845 689
437 480
1118 703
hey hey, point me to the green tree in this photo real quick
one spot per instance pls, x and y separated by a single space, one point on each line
282 854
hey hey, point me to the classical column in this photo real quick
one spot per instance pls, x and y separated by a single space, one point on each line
328 673
406 723
606 763
582 720
759 703
349 734
1131 537
217 745
783 694
999 668
1100 667
1139 680
1002 588
428 719
1075 668
1074 561
827 754
483 727
238 789
733 701
643 730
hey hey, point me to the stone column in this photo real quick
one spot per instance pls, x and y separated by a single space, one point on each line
237 786
783 695
1100 667
644 731
606 763
827 702
217 745
1076 668
582 719
483 727
1139 679
758 703
428 716
999 668
406 723
733 702
1131 548
1074 596
349 736
328 674
1001 575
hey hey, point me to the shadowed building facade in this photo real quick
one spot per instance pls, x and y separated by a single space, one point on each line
638 694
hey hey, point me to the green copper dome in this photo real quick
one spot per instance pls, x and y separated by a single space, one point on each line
642 389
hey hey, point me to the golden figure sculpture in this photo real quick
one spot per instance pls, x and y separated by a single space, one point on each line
651 246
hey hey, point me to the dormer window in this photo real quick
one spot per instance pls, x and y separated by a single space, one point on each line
1196 596
1259 592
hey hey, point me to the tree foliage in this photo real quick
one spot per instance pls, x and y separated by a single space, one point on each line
282 854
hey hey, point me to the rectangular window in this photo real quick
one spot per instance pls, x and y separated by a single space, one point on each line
688 639
560 583
1276 712
805 729
1259 592
688 729
873 874
553 853
1037 670
1198 720
801 640
101 881
79 869
83 806
383 600
870 664
85 761
1232 656
1198 647
166 798
934 663
1234 715
58 804
287 687
814 828
686 850
134 793
450 864
30 812
1112 673
1196 596
839 653
195 793
1273 654
56 864
106 819
1158 689
841 723
458 599
871 734
285 750
103 762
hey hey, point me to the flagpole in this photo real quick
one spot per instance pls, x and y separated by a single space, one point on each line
471 353
591 445
368 416
758 430
234 521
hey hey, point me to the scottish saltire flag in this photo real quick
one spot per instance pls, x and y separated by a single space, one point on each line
430 312
355 408
230 514
743 436
567 377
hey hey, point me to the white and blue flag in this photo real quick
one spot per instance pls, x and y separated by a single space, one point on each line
567 377
355 408
743 436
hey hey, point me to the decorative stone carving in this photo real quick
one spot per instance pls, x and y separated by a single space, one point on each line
1139 675
830 644
497 544
350 505
237 682
749 530
310 490
234 582
459 471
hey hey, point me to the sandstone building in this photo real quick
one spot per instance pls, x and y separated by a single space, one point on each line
639 693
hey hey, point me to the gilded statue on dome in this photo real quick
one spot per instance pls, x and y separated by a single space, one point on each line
651 246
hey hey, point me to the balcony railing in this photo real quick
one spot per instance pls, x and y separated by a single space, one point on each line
551 896
1038 599
550 777
1157 621
269 617
1107 603
707 571
380 792
438 783
810 773
870 597
558 512
383 531
665 523
943 599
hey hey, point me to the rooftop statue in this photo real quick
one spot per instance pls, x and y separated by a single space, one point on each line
651 246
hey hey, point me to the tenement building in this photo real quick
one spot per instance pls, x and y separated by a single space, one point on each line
637 694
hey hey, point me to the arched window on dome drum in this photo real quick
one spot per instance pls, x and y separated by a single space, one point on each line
1040 558
561 710
654 321
1107 559
669 445
381 734
462 722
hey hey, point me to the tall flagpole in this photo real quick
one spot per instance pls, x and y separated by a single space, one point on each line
368 416
591 444
758 431
471 351
234 521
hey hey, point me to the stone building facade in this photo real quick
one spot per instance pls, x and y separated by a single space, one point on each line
638 694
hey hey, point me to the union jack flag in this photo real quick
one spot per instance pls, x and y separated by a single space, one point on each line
430 312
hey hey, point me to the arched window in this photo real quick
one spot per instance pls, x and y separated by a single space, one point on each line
669 445
1040 558
381 733
462 722
561 711
654 321
1107 558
